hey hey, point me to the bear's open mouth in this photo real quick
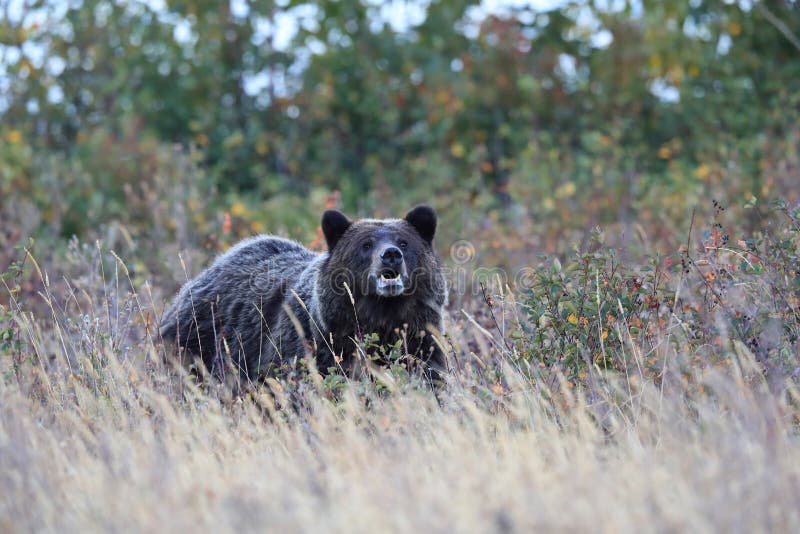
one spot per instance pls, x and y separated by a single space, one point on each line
390 276
389 282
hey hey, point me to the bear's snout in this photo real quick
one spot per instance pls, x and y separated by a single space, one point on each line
392 257
389 274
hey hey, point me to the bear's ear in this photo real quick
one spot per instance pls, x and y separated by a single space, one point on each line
334 225
423 219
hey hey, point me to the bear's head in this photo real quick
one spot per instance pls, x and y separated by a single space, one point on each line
382 258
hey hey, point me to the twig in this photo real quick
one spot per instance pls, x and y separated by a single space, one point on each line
779 24
494 319
689 235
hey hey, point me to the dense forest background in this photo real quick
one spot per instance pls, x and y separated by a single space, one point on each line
199 122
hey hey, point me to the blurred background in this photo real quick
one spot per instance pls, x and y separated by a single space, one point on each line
164 126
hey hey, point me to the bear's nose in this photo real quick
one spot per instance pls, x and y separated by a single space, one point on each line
392 256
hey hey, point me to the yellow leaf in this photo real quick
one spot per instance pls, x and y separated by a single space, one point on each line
655 63
675 75
457 150
572 319
702 172
565 190
238 209
14 137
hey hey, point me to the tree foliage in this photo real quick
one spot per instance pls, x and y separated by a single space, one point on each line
636 104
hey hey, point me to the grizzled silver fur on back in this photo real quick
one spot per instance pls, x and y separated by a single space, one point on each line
269 300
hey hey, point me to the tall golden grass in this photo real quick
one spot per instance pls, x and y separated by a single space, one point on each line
99 433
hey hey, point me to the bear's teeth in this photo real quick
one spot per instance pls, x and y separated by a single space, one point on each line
385 278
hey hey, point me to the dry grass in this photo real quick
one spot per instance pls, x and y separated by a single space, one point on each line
97 434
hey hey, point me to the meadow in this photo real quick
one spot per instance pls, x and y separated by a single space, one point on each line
590 396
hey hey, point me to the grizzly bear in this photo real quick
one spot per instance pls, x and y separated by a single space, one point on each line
269 301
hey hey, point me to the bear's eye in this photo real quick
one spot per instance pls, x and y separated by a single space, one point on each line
367 246
403 244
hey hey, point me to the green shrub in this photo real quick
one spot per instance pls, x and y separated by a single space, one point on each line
710 301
